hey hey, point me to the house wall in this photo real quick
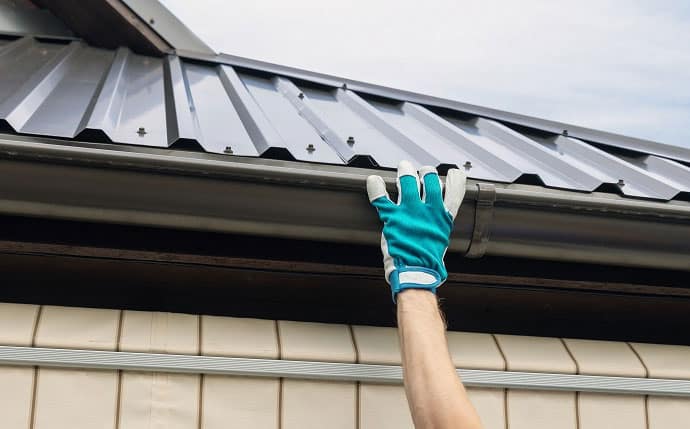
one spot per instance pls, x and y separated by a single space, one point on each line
81 398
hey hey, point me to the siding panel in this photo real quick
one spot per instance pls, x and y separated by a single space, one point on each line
246 402
17 323
665 361
157 332
377 345
316 404
523 353
668 413
491 406
316 341
474 351
538 409
383 407
600 411
308 404
75 398
154 399
235 336
16 396
77 328
541 410
605 358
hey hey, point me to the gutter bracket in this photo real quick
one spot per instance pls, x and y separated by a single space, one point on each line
483 217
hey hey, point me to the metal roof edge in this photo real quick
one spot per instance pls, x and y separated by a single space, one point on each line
556 127
325 204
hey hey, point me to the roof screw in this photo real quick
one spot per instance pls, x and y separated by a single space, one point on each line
467 165
301 96
565 133
152 21
344 86
141 131
310 148
621 182
228 150
350 140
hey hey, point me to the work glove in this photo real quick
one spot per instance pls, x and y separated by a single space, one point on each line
416 230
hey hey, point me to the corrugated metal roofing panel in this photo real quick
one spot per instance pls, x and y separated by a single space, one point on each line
73 90
297 136
217 124
545 125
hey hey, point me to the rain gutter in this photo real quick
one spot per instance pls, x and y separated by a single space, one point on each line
185 190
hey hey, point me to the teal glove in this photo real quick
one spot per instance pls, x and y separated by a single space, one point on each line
416 231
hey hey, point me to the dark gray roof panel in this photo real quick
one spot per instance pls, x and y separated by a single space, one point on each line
73 90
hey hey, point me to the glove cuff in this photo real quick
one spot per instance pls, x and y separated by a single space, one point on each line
410 277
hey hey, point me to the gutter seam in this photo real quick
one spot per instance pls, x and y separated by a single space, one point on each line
483 218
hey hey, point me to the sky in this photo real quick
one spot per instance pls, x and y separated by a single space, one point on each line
614 65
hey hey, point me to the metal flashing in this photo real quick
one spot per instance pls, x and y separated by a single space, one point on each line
483 217
312 370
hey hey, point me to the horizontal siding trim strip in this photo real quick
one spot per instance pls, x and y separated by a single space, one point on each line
384 374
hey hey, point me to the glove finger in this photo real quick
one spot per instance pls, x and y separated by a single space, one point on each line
408 183
455 190
431 185
378 195
376 188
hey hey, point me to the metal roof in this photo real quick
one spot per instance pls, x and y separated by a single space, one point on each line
77 91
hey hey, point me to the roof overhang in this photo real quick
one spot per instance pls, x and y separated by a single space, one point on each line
144 26
183 190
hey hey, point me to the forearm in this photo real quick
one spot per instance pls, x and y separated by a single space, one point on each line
436 396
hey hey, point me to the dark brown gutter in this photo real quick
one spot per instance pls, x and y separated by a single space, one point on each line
327 203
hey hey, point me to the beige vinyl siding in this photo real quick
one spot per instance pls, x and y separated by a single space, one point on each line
149 399
538 409
308 404
75 398
244 401
599 411
664 361
383 407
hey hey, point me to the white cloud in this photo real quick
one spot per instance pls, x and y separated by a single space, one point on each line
621 66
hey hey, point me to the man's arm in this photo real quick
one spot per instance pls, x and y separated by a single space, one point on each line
415 237
435 394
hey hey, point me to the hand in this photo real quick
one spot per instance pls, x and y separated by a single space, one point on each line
416 231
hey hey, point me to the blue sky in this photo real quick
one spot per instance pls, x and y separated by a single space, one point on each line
613 65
